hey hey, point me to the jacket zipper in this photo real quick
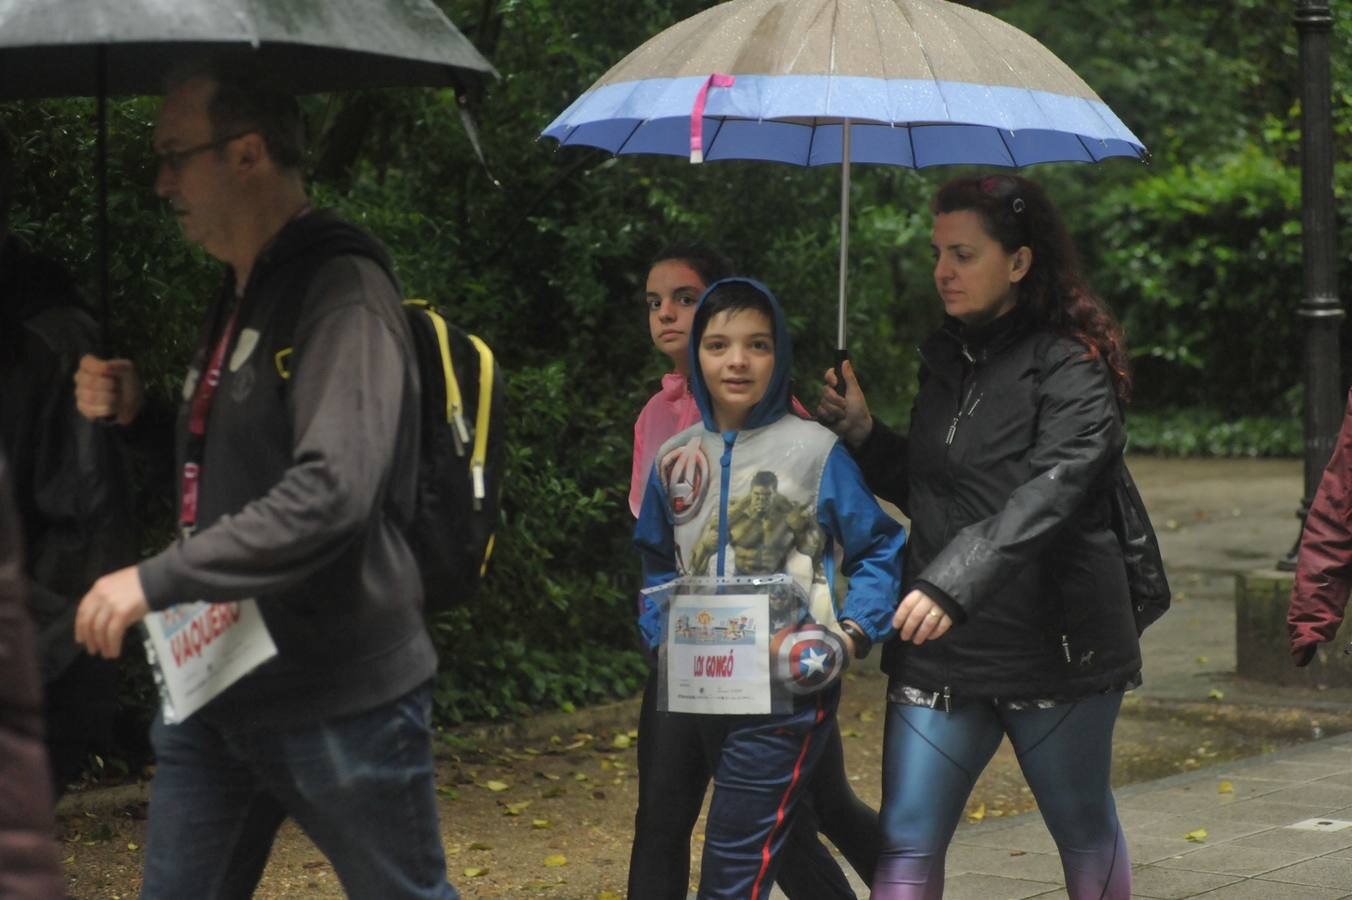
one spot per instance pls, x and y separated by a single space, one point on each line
957 416
725 481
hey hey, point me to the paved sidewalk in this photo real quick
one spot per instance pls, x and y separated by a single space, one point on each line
1282 828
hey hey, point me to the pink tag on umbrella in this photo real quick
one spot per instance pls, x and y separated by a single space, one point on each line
697 114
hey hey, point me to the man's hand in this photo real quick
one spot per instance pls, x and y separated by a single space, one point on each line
115 603
108 389
847 416
918 619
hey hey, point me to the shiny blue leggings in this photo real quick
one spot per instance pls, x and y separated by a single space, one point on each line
931 760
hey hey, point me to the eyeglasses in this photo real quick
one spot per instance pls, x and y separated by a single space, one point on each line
177 159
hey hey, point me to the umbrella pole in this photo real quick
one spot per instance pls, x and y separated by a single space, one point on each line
841 355
101 190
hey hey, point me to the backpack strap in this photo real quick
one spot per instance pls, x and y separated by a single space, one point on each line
479 458
455 403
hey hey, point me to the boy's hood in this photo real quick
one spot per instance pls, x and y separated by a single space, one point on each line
776 401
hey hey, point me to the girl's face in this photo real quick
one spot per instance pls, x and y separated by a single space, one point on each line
976 278
672 293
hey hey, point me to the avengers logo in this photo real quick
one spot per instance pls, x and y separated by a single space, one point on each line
806 658
685 474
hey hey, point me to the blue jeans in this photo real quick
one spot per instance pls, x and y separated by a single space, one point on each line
362 787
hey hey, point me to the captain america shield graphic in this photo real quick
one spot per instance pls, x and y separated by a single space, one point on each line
807 658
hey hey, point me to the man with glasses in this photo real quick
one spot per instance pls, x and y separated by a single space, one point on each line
297 452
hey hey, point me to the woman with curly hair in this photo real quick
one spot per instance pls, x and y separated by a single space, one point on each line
1015 618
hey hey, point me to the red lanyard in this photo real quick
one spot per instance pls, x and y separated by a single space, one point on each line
197 425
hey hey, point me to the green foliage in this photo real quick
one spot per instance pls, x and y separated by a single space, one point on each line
1204 262
509 679
1205 432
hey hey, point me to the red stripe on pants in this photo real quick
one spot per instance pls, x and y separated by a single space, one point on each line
783 802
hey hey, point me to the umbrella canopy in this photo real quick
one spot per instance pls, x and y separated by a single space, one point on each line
128 46
64 49
910 83
921 82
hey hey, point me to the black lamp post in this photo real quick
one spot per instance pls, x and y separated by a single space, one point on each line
1319 307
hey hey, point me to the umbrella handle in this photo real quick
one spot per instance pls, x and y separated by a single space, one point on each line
841 355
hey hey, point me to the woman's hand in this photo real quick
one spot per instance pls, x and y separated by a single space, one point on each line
847 416
918 618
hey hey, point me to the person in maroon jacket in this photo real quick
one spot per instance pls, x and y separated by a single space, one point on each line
28 860
1324 563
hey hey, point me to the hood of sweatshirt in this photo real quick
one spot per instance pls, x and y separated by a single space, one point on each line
775 402
318 231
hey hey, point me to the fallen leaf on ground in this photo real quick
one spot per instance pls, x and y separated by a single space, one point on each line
621 742
1215 694
555 860
496 786
540 823
475 871
479 845
1196 837
1225 787
977 814
515 809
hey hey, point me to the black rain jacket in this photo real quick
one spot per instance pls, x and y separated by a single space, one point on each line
1006 475
70 476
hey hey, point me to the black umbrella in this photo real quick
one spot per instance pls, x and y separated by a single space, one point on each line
115 47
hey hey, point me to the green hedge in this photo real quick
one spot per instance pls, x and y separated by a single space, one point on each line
1206 432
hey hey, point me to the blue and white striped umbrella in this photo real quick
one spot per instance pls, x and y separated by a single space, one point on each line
910 83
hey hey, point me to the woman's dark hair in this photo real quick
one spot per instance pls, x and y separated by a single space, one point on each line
1017 213
709 264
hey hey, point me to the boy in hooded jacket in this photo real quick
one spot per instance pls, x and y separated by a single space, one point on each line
754 490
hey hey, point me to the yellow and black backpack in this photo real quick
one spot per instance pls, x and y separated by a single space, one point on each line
460 466
461 450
